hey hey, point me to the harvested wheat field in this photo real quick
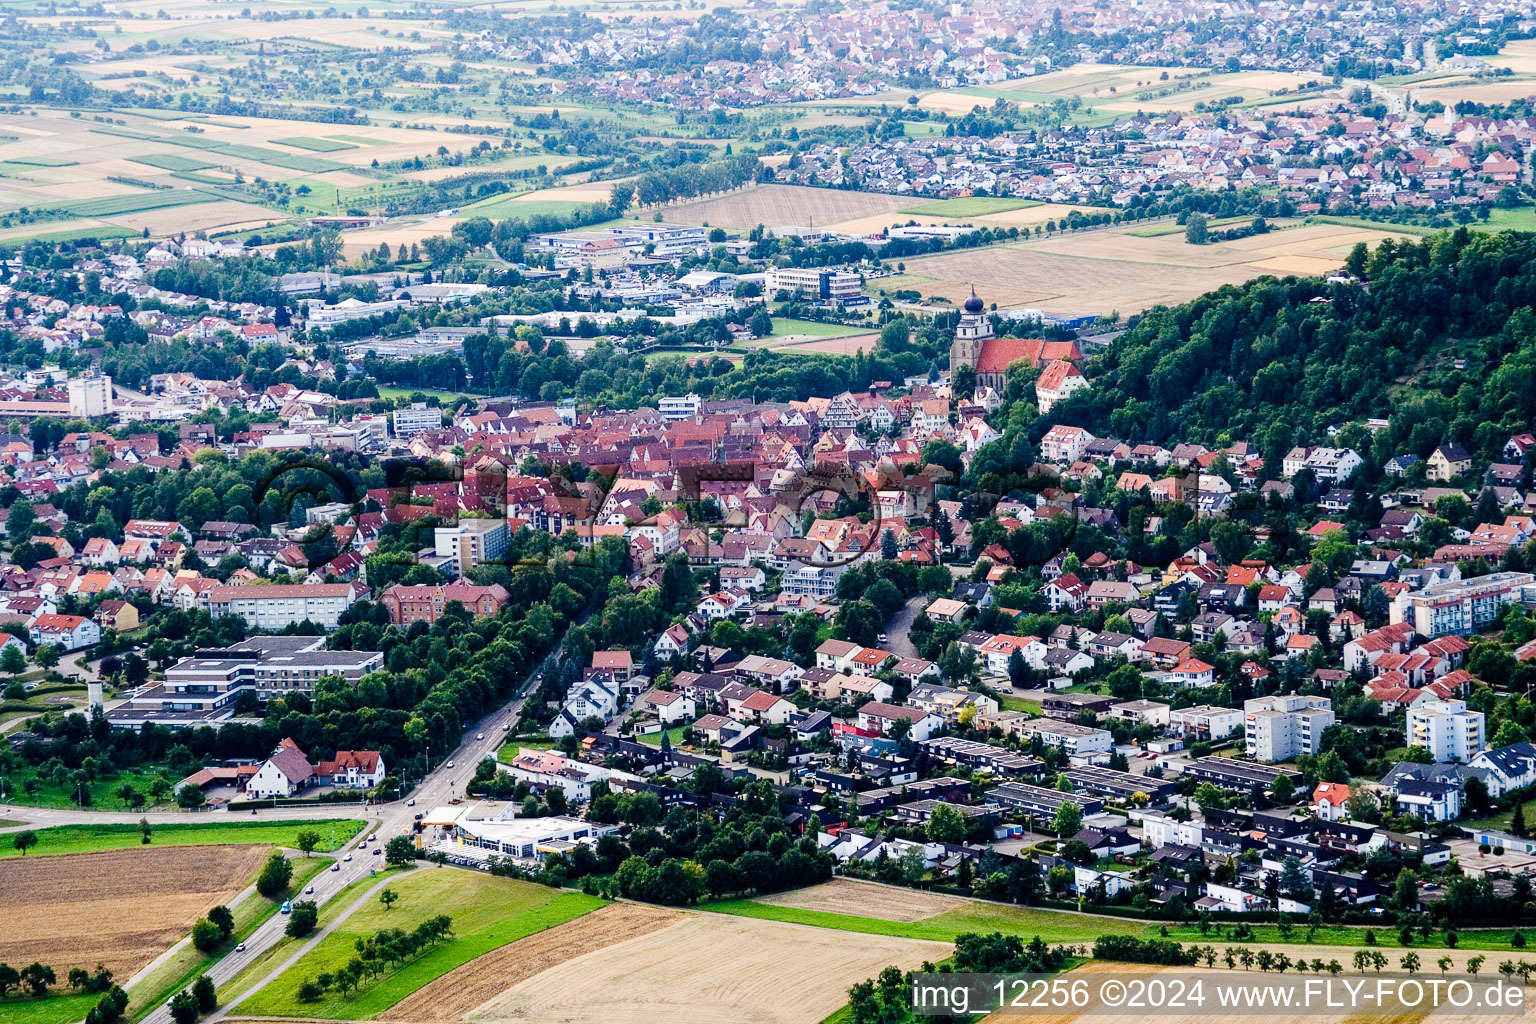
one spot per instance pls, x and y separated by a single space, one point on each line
1112 271
863 899
710 969
460 993
122 908
1390 1012
787 208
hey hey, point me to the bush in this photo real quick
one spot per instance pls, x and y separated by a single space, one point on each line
207 936
275 876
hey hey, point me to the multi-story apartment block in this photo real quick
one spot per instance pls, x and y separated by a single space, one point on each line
277 606
1448 729
471 542
1462 607
1284 726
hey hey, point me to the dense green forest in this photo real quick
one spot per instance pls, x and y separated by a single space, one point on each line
1277 363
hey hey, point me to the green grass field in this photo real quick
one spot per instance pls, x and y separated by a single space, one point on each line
314 145
137 202
182 967
275 158
42 161
1386 937
91 838
171 162
785 326
1520 219
102 791
1372 225
487 912
971 206
106 231
1173 228
1050 925
509 749
61 1009
511 208
1060 926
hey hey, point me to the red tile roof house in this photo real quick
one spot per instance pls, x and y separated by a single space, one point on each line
66 631
619 664
878 719
352 769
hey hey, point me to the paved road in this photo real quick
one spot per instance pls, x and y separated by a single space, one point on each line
274 970
900 626
393 818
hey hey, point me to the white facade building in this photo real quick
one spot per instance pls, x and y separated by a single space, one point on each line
1281 727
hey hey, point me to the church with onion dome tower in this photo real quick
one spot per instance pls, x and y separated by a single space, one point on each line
971 336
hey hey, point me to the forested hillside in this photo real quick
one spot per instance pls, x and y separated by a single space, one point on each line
1278 362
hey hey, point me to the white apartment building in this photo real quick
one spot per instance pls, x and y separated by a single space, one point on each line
679 407
471 542
276 606
1462 607
1284 726
1076 740
1447 729
1205 722
420 416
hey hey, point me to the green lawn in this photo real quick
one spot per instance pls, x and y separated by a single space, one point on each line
654 738
971 206
1029 707
91 838
509 749
393 392
487 912
1500 822
785 326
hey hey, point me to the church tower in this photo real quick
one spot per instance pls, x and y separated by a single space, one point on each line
971 334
